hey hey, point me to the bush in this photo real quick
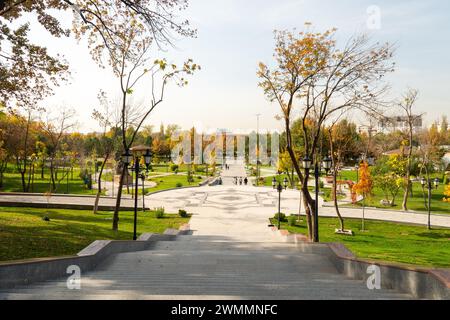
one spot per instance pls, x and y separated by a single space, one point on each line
182 213
199 177
86 176
179 185
159 212
174 168
190 178
292 220
282 217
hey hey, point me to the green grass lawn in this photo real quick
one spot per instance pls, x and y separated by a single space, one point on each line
165 168
12 182
170 182
24 234
416 202
387 241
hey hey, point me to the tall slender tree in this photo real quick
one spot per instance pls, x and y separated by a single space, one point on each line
313 74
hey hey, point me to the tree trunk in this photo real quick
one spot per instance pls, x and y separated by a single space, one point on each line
115 225
99 189
52 176
335 172
408 171
22 176
308 201
336 205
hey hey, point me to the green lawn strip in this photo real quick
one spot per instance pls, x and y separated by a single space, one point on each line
415 203
24 234
12 182
387 241
170 182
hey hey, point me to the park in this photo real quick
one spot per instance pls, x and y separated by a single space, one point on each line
324 168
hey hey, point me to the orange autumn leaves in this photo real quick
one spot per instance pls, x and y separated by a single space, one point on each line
365 184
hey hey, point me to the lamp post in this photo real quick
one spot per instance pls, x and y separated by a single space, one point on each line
307 163
277 185
126 159
430 185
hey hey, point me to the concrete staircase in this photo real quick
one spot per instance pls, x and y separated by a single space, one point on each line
210 267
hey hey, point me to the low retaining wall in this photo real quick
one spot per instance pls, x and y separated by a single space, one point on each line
24 272
421 283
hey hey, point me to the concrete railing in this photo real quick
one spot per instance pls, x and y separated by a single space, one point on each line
24 272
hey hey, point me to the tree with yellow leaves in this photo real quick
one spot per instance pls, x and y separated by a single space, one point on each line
447 193
364 186
310 72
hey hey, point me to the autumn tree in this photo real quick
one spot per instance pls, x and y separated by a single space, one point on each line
28 72
54 128
364 186
407 106
108 120
129 55
313 75
342 137
388 175
19 134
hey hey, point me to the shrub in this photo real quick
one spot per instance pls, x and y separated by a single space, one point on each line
179 185
292 220
199 177
159 212
182 213
190 178
174 167
282 217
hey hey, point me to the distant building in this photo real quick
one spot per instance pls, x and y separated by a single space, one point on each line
387 124
446 160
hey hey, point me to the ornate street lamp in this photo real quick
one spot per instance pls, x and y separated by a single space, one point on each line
327 163
307 163
277 185
148 158
285 183
436 183
126 158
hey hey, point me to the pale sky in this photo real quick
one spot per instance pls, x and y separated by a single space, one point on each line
234 35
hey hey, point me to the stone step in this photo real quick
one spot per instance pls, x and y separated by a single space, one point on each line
207 268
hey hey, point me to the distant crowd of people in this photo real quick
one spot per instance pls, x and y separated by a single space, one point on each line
237 180
240 180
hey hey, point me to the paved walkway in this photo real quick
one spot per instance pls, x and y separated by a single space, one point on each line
80 202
